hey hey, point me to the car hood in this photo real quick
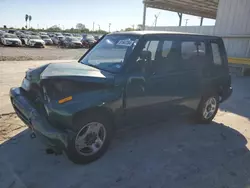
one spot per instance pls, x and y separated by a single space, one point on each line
13 39
76 71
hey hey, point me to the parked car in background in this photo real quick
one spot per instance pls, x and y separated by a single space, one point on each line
10 40
58 34
67 34
51 35
22 37
1 34
11 31
43 33
34 41
72 42
56 39
79 36
46 39
97 37
18 33
88 41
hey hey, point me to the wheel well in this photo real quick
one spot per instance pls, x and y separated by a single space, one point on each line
102 111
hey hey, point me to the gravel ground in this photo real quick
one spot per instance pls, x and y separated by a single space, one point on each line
47 53
171 154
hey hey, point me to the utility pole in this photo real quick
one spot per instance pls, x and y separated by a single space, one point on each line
186 22
133 26
109 27
180 17
93 26
99 27
144 16
201 21
156 18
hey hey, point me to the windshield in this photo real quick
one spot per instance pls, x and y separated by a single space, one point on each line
34 37
45 37
10 36
111 52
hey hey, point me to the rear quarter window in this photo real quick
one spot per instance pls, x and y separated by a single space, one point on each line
217 60
191 49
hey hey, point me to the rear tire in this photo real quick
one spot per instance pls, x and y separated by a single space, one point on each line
207 109
81 156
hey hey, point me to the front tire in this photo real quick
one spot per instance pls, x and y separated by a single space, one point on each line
91 138
207 109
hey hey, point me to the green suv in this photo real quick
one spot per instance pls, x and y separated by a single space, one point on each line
125 76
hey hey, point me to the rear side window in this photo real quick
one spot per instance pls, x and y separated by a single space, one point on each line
166 47
191 49
216 54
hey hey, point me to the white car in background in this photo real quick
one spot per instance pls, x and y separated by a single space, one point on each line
8 39
34 41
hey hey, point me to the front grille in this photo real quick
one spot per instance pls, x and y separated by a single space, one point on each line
38 44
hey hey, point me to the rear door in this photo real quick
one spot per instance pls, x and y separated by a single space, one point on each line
154 95
219 73
194 67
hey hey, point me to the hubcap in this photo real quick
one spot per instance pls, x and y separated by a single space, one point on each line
90 138
210 108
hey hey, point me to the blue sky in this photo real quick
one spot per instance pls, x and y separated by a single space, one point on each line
67 13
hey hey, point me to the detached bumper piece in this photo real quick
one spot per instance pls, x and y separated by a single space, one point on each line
36 121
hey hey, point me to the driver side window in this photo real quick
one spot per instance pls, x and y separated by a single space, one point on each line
160 56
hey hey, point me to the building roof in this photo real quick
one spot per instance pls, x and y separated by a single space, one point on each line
202 8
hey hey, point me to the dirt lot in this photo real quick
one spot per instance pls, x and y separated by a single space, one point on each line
12 74
171 154
47 53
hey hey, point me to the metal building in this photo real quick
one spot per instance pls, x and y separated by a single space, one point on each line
232 22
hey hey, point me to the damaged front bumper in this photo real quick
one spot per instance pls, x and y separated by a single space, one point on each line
36 121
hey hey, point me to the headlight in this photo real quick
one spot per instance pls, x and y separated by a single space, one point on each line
8 42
